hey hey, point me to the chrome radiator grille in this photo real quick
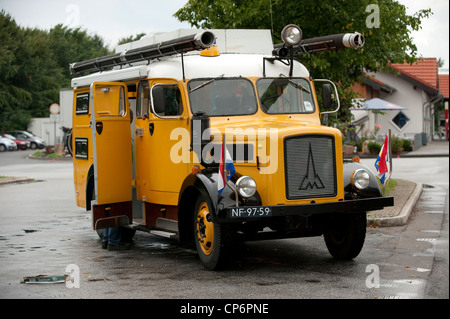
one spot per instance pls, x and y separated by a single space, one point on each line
310 166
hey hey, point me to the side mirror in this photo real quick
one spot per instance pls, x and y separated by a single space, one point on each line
327 99
328 90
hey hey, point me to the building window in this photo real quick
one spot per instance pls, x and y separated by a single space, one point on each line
400 120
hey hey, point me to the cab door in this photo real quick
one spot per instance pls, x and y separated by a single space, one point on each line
162 141
112 150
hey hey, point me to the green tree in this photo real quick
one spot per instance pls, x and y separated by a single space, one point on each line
29 75
384 23
74 45
34 66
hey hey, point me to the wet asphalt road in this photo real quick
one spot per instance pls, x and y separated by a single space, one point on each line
43 231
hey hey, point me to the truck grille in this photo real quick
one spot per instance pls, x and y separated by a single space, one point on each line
310 166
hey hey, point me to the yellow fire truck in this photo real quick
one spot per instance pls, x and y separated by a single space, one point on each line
150 121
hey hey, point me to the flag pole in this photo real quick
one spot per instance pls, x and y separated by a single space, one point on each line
390 157
225 172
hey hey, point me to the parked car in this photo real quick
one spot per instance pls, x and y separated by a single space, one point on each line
35 141
7 145
21 143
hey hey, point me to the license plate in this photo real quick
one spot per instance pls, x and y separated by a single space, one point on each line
250 212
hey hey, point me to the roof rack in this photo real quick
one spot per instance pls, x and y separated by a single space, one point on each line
198 41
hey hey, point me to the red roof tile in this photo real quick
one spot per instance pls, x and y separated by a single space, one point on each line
443 85
425 71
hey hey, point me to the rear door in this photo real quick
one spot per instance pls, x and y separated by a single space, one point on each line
112 146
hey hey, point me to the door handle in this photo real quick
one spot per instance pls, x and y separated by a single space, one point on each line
99 127
151 128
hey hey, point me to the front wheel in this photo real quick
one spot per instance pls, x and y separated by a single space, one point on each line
210 238
345 236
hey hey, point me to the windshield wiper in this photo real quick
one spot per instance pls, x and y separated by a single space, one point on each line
297 85
204 84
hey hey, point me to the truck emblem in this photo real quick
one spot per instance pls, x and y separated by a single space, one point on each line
311 180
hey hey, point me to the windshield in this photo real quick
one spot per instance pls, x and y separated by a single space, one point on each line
222 96
285 95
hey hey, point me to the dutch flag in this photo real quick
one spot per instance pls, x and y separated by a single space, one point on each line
226 167
382 162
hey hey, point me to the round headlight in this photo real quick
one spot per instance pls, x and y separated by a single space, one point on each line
291 34
246 186
360 179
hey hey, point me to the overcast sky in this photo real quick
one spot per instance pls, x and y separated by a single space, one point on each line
114 19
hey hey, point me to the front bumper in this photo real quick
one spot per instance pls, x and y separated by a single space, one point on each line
341 207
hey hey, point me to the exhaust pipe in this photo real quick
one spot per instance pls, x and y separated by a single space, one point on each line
331 43
326 43
198 41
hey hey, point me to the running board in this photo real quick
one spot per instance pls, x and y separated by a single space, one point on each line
163 233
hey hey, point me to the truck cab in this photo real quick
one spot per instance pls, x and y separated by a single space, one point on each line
154 124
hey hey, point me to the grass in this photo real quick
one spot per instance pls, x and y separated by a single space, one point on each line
38 154
49 156
53 155
389 187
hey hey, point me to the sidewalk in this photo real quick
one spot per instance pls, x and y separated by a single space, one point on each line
405 195
433 148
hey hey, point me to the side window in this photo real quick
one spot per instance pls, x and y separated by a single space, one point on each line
166 100
122 111
81 148
143 100
82 105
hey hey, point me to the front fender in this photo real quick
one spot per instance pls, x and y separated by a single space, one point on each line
206 181
373 190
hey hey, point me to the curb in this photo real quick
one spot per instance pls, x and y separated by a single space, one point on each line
402 218
15 180
63 158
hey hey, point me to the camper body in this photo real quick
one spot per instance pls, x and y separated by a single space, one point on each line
147 140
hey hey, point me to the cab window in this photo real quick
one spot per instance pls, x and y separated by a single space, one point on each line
222 96
285 96
143 100
166 100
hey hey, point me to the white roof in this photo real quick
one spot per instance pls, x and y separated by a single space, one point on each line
196 66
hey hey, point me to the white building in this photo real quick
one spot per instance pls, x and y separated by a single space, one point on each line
415 88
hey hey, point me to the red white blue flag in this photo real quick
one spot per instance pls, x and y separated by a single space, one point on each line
383 159
226 167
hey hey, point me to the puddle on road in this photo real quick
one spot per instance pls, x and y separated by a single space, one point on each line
27 231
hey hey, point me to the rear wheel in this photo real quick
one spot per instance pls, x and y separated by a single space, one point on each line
345 236
210 238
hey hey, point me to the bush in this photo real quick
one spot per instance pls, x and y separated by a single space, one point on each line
396 144
374 147
407 145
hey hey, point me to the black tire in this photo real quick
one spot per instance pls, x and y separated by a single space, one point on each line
211 239
33 146
346 235
69 143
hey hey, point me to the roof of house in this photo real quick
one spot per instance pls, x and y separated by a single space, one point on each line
443 85
423 73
